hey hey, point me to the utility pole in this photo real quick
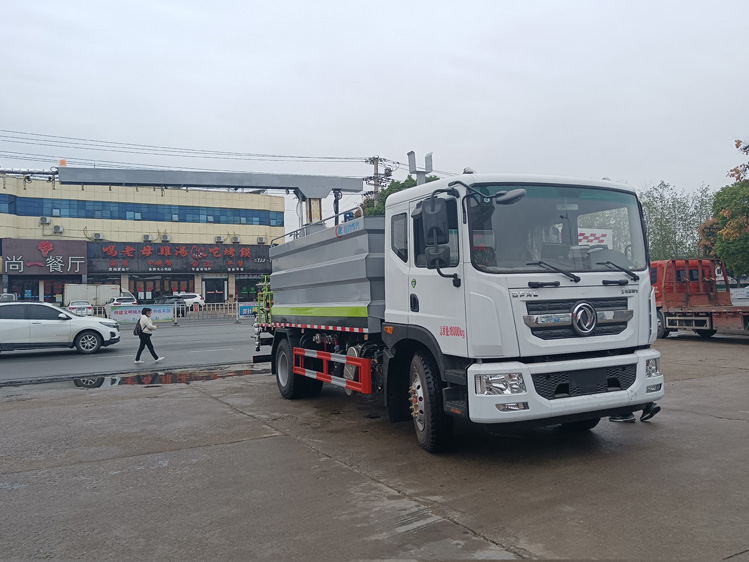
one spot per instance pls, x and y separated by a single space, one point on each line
375 179
378 180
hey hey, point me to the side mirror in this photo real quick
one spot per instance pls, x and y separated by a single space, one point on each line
437 256
62 316
509 197
433 213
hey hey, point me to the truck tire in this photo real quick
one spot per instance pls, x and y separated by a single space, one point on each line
290 385
582 425
705 333
433 427
662 332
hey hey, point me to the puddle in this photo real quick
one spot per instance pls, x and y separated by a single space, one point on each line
175 376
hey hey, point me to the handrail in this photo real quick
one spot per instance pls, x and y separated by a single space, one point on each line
321 221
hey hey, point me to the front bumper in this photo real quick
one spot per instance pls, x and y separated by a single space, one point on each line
113 338
484 409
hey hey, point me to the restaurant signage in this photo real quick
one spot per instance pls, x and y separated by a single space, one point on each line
122 257
44 257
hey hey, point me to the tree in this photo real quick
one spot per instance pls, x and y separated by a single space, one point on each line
740 172
673 218
731 209
369 206
708 233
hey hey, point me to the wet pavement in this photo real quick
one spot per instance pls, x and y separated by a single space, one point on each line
226 469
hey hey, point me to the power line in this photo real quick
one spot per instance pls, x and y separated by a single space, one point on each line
34 157
136 148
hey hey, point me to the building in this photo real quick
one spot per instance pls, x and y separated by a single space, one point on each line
149 240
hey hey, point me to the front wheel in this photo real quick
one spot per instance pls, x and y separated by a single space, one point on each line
582 425
706 333
433 427
290 385
88 342
662 332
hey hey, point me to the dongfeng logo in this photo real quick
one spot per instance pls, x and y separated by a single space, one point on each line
584 318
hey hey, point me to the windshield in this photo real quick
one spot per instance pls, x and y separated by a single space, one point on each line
569 227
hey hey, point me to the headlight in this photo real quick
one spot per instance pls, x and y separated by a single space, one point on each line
496 385
651 368
110 324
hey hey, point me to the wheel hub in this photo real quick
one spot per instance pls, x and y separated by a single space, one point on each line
416 397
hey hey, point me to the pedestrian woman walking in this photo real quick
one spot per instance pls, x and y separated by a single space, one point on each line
147 328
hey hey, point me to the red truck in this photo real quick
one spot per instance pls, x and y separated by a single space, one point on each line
688 296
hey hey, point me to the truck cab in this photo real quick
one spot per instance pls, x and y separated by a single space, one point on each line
533 297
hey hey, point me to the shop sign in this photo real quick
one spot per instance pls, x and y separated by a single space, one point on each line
246 311
44 257
121 257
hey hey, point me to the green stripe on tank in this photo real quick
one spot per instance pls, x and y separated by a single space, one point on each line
343 311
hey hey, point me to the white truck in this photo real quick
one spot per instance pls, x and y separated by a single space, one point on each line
474 297
97 295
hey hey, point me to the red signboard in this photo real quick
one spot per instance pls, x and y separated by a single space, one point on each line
44 257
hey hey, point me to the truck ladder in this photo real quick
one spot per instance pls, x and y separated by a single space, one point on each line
363 385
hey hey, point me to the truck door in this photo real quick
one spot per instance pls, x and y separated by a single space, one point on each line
435 303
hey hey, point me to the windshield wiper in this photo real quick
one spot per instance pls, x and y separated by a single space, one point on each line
572 276
634 276
539 284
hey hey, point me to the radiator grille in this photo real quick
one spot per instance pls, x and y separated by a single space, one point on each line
553 332
587 381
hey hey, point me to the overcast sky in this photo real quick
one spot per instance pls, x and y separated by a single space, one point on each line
638 91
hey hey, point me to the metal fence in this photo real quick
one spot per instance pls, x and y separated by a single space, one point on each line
209 311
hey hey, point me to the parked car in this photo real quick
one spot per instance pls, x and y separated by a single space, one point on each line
178 302
118 301
8 297
193 300
81 308
36 325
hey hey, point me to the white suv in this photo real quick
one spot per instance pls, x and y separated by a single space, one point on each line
192 300
35 325
118 301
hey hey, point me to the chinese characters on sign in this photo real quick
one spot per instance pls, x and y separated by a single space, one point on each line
44 257
177 258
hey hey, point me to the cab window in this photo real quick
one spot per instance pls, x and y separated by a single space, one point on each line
399 236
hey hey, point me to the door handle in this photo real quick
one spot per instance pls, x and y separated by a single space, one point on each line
37 322
414 303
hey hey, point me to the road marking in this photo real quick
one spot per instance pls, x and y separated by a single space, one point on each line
204 350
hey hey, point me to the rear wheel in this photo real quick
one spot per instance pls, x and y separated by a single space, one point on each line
662 332
582 425
433 427
88 342
706 333
290 385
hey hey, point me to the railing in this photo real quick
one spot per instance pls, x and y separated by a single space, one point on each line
209 311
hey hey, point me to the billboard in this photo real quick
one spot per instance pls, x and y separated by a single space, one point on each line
147 257
44 257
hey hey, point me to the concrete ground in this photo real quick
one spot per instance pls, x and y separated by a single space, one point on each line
228 470
191 344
